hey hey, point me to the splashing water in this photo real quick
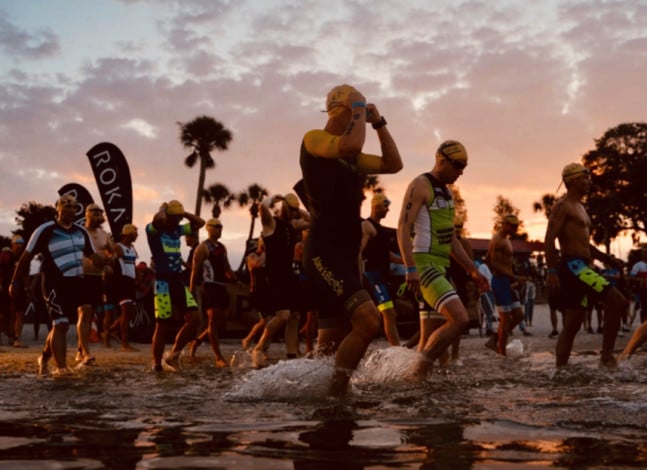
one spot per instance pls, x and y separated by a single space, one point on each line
285 380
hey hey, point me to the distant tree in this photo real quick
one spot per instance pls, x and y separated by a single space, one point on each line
460 208
503 207
4 241
545 204
218 194
202 135
617 200
372 183
31 215
252 196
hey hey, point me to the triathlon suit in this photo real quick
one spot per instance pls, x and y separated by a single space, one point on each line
579 284
62 250
260 291
376 266
172 296
334 188
507 298
214 276
124 285
432 244
279 251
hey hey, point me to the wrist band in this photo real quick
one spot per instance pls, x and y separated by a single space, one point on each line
551 270
379 124
412 269
358 104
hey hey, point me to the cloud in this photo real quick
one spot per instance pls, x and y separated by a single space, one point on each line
22 44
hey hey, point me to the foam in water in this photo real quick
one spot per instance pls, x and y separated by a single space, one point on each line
303 378
392 364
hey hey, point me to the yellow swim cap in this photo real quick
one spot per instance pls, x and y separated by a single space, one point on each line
511 219
174 208
453 150
572 171
337 99
292 200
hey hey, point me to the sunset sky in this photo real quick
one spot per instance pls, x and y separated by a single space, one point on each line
526 86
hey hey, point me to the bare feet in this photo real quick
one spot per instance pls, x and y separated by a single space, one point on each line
220 362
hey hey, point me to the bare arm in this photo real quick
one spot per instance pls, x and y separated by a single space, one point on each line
415 197
267 219
200 254
20 272
555 223
368 232
463 258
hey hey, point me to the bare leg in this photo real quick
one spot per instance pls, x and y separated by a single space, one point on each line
212 332
258 327
390 327
83 327
292 335
157 343
457 320
18 321
637 339
272 326
572 322
187 333
616 305
108 314
56 343
365 323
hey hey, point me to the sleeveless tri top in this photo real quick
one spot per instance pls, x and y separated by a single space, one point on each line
434 224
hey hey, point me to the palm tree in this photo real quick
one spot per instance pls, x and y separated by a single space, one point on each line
202 135
218 194
253 196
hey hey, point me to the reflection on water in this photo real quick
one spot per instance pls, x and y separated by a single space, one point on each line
489 412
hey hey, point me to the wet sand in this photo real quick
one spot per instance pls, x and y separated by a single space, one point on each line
23 360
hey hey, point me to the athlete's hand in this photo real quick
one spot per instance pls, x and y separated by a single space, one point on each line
413 282
480 280
372 114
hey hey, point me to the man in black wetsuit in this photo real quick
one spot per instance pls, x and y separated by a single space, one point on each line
334 170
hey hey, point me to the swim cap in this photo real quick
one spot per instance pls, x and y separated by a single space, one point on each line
174 208
128 229
453 150
93 208
572 171
19 240
292 200
511 219
380 199
337 99
214 223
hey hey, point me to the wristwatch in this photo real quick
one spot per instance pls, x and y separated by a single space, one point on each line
379 124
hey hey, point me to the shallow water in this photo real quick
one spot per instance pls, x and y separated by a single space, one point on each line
489 412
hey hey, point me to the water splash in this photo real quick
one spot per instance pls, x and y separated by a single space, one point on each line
387 365
286 380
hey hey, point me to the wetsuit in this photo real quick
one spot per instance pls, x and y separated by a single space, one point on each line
376 266
334 188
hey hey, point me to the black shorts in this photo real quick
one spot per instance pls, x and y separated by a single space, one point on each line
92 291
62 298
336 286
579 285
121 290
282 291
214 296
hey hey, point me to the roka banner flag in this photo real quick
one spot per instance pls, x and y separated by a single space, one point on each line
115 187
83 197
